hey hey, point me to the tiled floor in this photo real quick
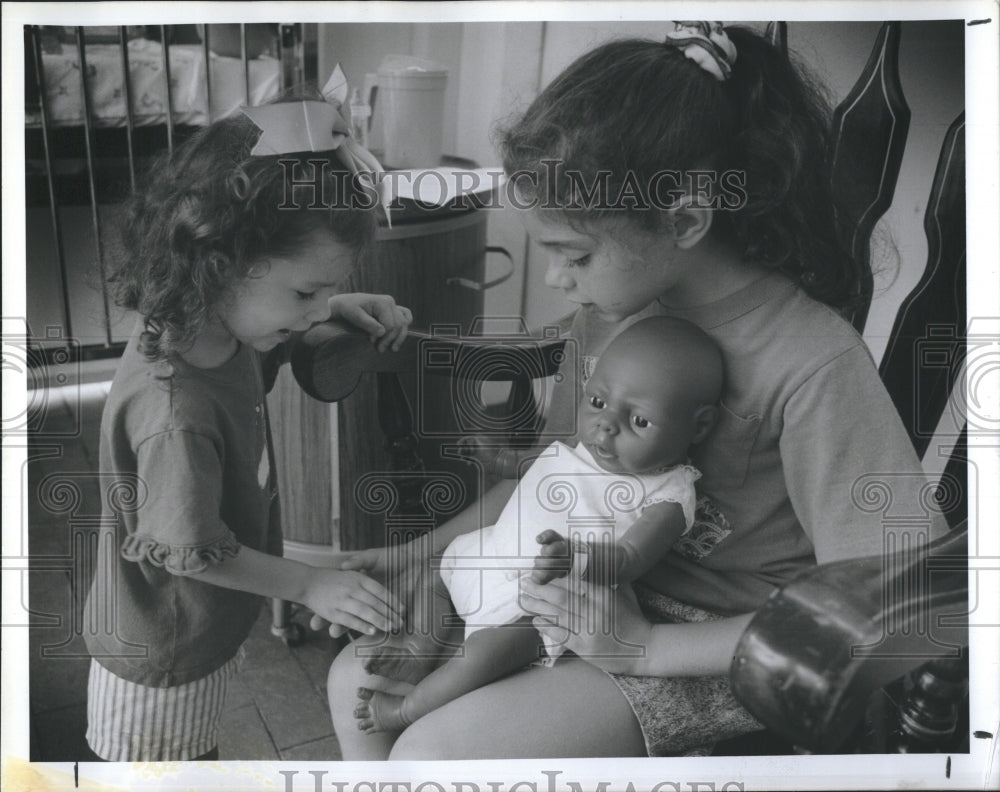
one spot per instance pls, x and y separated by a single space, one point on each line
277 706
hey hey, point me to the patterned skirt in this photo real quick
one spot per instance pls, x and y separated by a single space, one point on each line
682 715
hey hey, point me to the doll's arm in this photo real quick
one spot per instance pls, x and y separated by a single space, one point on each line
610 563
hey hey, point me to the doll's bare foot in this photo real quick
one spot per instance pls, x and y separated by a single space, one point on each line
409 660
378 712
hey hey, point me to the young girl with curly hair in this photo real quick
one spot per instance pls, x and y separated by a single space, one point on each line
225 255
687 178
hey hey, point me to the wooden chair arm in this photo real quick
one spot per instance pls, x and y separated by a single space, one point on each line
329 358
808 663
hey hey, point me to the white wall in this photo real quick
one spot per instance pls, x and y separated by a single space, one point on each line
496 68
492 68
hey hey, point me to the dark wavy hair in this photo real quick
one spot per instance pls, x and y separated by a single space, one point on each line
209 211
633 108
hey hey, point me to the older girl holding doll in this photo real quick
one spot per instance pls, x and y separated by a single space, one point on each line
803 414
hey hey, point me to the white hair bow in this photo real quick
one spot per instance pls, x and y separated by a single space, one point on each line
315 125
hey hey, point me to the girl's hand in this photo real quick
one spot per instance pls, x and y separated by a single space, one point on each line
603 626
399 567
352 600
376 314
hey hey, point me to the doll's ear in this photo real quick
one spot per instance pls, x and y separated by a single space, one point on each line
705 418
690 222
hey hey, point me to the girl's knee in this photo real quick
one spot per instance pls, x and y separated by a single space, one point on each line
344 678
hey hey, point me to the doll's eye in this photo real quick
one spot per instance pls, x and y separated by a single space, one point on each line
640 422
597 402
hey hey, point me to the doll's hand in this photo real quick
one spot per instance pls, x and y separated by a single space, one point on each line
554 560
376 314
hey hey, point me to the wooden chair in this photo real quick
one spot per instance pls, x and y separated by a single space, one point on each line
896 613
836 699
775 665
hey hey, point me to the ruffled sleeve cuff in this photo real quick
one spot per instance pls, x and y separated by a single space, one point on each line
180 559
680 490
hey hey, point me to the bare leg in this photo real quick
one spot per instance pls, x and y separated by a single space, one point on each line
488 655
431 634
570 710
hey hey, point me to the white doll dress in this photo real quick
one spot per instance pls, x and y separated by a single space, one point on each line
564 490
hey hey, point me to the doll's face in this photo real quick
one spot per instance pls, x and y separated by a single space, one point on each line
636 417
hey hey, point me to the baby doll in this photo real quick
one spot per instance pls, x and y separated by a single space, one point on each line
606 511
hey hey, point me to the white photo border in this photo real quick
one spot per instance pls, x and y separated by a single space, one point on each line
978 769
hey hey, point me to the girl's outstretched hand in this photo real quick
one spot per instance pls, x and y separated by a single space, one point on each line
400 564
604 626
376 314
352 600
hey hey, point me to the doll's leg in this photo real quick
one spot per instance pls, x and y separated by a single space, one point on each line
488 655
345 677
432 632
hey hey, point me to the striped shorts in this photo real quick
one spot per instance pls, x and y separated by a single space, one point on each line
127 722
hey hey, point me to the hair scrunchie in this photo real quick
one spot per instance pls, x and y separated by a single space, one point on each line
707 44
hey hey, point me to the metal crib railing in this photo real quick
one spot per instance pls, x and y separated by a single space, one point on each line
292 69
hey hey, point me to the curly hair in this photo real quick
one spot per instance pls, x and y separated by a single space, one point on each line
208 212
635 108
